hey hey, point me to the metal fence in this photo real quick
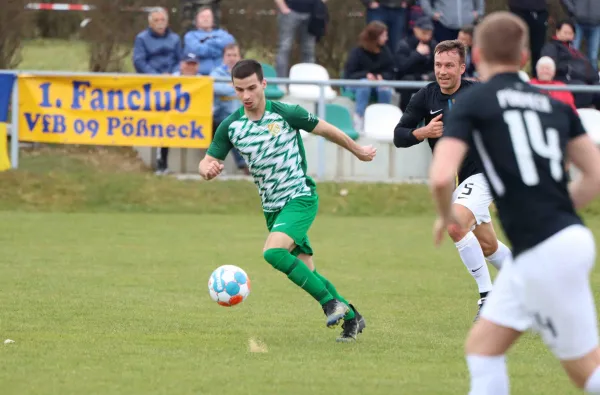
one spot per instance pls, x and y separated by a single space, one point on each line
321 101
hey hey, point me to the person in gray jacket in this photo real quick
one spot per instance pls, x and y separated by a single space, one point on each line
449 16
586 14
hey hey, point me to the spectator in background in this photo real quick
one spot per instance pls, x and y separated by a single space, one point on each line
465 35
414 58
586 14
393 14
187 67
415 12
190 65
572 67
535 15
450 16
371 60
157 50
546 70
189 10
225 100
294 18
206 42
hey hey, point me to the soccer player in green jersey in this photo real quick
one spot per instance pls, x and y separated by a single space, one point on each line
266 133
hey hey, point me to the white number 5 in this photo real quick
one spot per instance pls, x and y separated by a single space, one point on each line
526 127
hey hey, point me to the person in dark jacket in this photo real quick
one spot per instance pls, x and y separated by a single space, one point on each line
535 14
572 67
415 12
414 58
157 50
393 14
465 36
371 60
586 14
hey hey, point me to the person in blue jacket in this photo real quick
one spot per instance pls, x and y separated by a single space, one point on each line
206 42
157 50
226 101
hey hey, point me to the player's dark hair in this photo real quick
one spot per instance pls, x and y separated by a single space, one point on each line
469 29
452 46
563 22
501 37
245 68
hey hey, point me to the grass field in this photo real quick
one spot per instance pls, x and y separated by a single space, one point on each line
103 273
117 304
108 295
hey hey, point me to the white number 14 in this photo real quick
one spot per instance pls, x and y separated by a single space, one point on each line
526 127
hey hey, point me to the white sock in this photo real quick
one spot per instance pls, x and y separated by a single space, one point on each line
472 256
498 257
592 385
488 375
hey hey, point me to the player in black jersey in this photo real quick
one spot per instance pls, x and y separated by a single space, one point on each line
521 137
476 239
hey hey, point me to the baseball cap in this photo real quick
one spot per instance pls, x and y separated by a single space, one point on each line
424 23
190 57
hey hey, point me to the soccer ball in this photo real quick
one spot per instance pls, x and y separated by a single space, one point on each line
229 285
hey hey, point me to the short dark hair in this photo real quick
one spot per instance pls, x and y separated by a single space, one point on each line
452 46
245 68
563 22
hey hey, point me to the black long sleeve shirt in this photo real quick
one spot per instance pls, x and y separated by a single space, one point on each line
426 104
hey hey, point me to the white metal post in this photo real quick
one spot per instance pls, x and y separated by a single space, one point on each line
14 131
321 144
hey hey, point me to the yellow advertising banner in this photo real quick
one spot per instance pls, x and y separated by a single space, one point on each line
4 161
136 110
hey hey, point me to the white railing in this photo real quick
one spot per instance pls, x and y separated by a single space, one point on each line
322 84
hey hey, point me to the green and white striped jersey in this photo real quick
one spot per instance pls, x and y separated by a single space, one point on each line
273 150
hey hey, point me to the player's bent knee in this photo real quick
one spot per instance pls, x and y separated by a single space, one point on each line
488 240
466 218
278 240
585 371
487 338
456 233
488 246
307 260
276 257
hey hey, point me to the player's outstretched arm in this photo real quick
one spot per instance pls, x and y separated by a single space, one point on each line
335 135
210 167
448 155
586 157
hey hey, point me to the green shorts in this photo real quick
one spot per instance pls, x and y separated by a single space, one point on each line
294 219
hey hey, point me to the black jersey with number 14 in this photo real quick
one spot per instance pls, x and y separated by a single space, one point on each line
519 135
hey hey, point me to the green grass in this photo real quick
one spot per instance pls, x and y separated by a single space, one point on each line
75 179
117 304
103 288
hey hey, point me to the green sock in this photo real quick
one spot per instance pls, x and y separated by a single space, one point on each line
331 288
298 273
